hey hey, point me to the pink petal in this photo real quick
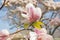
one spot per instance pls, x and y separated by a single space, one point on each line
4 34
33 17
33 13
42 31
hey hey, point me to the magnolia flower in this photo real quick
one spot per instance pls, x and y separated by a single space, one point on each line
43 30
4 34
42 34
45 37
32 14
33 35
55 21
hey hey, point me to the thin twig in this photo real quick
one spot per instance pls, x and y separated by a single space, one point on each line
3 4
20 31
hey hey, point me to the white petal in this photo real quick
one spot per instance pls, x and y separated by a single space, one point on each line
5 32
8 38
28 6
39 12
44 30
24 15
33 35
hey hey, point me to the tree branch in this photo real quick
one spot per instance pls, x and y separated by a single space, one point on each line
20 31
3 4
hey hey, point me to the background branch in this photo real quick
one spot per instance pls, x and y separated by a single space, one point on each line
3 4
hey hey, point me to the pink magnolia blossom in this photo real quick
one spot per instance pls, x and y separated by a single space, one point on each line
43 30
4 34
55 21
45 37
32 13
42 34
33 35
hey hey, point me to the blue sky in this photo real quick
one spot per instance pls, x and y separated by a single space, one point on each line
57 0
3 24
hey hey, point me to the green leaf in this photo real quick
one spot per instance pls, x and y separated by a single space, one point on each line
38 24
26 25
